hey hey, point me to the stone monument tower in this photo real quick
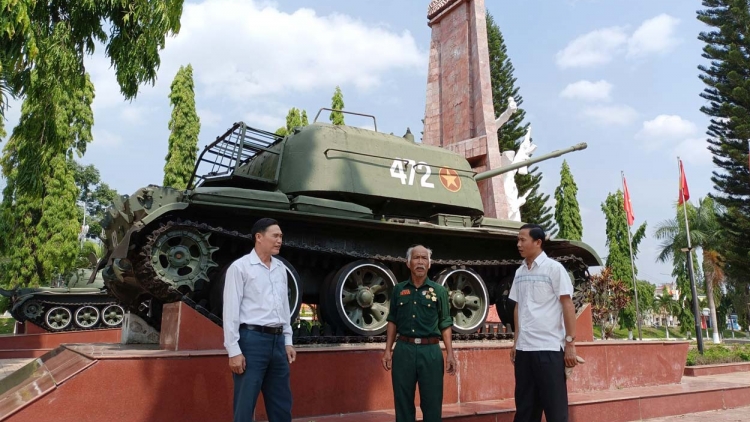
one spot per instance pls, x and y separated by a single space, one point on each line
459 114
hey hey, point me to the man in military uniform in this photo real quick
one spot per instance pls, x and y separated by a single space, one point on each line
419 316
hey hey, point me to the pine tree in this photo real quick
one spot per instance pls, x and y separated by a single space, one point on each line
618 258
727 93
42 61
567 211
294 118
535 210
337 103
184 128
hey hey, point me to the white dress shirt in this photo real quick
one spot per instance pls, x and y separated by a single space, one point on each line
255 294
537 292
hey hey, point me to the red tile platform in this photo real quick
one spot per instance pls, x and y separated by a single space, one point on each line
725 368
37 344
90 382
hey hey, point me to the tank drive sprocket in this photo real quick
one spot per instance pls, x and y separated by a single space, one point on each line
181 256
32 309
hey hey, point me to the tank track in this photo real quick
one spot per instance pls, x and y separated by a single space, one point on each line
71 305
146 275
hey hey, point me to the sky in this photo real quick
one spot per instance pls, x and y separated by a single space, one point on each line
620 75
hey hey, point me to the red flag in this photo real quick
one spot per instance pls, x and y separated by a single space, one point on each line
684 191
628 205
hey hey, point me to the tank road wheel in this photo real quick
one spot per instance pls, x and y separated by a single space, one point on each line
58 318
363 295
32 309
468 298
294 288
86 316
113 315
182 256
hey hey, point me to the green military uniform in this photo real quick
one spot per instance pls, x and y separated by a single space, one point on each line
419 313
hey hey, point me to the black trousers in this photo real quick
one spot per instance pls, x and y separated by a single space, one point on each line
540 386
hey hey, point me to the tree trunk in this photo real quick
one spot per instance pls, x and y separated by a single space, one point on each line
712 309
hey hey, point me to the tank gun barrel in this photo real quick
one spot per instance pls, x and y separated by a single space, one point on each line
498 171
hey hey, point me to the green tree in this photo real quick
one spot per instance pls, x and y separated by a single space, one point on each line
510 135
727 95
666 306
94 193
618 258
184 128
567 211
42 58
294 118
706 232
607 296
337 103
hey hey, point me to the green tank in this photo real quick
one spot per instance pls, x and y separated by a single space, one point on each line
79 305
350 201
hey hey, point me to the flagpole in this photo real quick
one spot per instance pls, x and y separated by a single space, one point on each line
689 251
632 266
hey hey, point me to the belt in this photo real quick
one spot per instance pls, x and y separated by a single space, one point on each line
263 329
429 340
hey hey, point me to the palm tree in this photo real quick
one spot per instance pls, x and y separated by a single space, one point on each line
705 232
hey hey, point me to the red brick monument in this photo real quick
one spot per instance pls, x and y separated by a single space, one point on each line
459 114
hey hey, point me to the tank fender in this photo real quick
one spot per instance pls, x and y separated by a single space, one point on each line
121 250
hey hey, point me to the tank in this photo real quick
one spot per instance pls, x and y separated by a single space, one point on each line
350 201
78 305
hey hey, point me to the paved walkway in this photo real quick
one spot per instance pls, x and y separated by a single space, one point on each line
8 366
740 414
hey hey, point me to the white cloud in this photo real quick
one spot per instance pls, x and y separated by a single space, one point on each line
588 91
135 115
665 128
694 151
655 35
244 49
595 48
611 115
266 120
208 117
598 47
105 139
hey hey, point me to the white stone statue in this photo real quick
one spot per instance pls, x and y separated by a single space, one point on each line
505 115
509 183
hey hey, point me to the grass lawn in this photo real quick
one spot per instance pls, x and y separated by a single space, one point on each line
647 332
6 325
718 353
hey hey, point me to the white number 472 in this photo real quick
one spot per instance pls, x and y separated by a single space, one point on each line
397 171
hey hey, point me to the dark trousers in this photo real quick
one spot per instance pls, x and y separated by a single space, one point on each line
418 364
266 370
540 386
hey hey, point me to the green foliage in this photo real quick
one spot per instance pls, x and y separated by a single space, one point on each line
184 128
618 258
607 297
294 118
42 61
716 354
617 238
337 103
706 233
535 210
727 95
567 211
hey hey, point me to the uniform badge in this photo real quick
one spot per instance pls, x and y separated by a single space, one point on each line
405 292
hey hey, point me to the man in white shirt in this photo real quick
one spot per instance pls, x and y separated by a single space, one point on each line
257 330
544 338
